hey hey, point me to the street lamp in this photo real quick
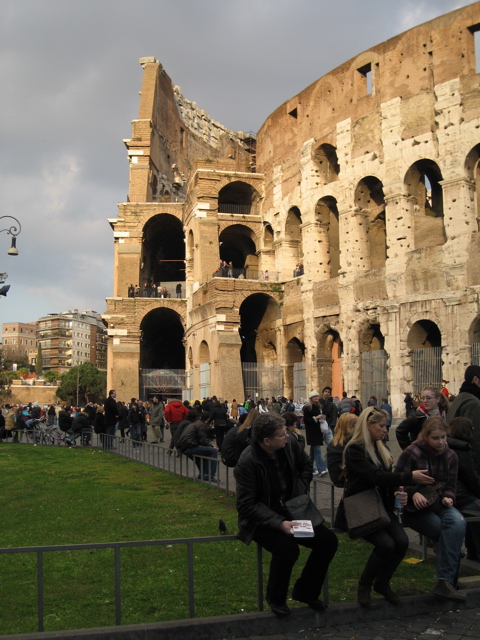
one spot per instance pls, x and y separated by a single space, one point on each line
14 231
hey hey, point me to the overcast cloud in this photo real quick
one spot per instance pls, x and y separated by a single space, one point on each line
69 82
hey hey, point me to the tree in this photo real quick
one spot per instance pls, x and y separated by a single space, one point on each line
51 375
84 382
39 362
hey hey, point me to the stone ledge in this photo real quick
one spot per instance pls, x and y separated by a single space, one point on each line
261 624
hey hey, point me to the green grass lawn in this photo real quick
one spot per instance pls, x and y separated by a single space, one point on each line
70 496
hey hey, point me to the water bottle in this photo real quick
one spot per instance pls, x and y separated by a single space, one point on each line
398 506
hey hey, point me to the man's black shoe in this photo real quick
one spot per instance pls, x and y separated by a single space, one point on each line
317 605
280 610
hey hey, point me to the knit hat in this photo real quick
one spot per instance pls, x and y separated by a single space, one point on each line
313 394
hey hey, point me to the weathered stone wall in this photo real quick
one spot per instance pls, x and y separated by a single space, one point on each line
369 178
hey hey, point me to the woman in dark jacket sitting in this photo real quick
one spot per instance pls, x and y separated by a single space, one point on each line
368 465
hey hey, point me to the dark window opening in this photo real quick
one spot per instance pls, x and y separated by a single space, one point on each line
237 197
367 80
293 113
161 343
475 31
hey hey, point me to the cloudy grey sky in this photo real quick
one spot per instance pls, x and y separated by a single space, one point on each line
69 82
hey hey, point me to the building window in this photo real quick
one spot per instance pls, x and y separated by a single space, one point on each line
475 31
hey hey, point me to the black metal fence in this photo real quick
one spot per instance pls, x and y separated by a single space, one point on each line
117 547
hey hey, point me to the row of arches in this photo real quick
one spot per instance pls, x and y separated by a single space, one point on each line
163 239
266 344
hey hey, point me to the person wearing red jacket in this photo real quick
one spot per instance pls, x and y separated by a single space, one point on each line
175 412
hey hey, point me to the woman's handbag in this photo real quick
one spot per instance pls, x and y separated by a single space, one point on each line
303 508
431 493
365 513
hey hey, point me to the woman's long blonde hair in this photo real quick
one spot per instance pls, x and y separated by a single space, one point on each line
361 435
343 428
249 420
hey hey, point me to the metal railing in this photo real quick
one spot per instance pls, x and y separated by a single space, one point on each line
117 547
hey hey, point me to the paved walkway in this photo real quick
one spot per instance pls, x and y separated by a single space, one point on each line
453 625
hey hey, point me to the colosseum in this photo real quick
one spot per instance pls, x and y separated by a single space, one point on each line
334 247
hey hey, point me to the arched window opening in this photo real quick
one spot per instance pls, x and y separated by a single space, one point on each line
327 212
161 343
296 378
374 363
162 354
326 160
262 374
293 234
425 342
472 167
268 236
204 370
330 351
203 353
237 197
423 184
369 197
163 255
237 247
474 337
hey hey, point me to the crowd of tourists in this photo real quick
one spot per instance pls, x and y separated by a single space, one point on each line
432 486
152 290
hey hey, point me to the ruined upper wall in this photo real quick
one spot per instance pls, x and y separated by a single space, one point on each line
407 67
169 136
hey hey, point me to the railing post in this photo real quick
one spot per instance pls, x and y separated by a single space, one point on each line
332 503
118 591
191 582
40 590
259 578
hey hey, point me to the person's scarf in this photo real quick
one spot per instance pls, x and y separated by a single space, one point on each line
470 387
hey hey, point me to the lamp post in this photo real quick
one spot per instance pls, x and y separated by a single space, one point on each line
13 230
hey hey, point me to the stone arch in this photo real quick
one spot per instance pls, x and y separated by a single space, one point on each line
373 362
329 359
326 162
260 324
474 340
237 246
259 315
295 378
268 236
422 183
238 197
162 340
293 235
163 250
370 199
203 352
472 169
204 369
425 344
326 211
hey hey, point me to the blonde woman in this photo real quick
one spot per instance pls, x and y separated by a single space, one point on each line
368 464
343 431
